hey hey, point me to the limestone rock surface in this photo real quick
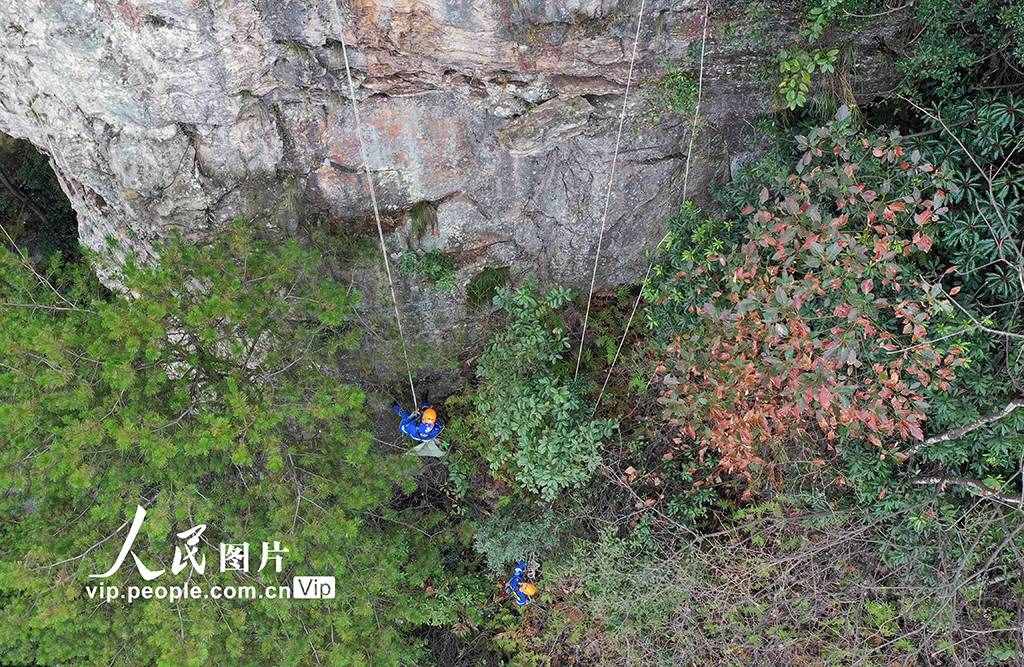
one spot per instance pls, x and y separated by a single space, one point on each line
499 116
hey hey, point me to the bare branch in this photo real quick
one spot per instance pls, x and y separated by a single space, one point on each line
977 323
22 197
34 306
972 484
883 13
86 552
973 426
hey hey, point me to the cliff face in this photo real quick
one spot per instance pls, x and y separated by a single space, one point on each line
496 116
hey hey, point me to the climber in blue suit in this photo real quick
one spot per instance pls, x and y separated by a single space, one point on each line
521 590
422 425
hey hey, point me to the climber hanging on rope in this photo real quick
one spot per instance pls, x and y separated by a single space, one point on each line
423 426
521 590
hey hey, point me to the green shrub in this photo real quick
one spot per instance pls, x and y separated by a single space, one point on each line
511 534
767 169
629 596
797 68
694 243
958 42
483 286
676 91
434 266
785 337
1012 17
821 14
981 239
538 421
986 128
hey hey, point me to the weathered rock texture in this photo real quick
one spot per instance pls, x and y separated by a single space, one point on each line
164 115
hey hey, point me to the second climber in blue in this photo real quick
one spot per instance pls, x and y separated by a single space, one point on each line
521 590
422 425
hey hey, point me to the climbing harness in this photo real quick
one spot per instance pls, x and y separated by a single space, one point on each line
686 182
376 210
611 181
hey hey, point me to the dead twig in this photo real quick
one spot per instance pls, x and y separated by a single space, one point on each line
973 484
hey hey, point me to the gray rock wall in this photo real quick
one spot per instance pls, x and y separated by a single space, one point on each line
165 116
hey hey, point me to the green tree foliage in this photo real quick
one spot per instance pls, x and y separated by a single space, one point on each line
536 418
955 42
1012 16
510 534
199 398
976 142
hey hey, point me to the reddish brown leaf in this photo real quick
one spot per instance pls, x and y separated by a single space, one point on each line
923 241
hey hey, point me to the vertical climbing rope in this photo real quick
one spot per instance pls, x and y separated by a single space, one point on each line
376 213
611 181
686 183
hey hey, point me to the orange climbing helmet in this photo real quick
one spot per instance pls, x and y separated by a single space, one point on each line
429 416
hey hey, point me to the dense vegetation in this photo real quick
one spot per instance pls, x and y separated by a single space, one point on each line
201 400
810 450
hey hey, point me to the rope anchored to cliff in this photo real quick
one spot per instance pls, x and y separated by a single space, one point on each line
604 217
686 183
376 215
611 181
